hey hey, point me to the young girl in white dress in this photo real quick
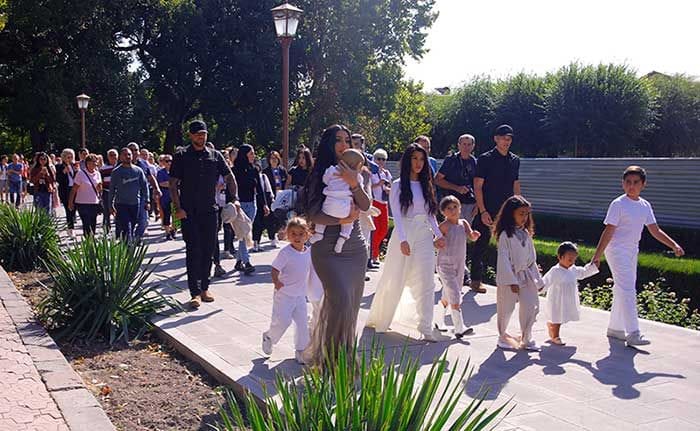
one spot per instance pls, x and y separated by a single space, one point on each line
561 285
410 259
450 261
517 276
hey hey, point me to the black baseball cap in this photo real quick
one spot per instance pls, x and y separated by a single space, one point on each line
198 126
504 130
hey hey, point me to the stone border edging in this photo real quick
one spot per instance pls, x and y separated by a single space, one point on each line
80 409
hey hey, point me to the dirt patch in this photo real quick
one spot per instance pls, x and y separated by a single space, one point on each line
143 385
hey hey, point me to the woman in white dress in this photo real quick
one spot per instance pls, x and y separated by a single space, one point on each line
410 259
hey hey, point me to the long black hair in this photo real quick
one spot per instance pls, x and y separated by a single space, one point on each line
425 177
505 221
308 158
241 162
313 189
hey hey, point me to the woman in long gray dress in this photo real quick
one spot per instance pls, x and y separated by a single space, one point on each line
342 274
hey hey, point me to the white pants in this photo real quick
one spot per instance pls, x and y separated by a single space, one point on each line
527 310
286 309
415 272
623 265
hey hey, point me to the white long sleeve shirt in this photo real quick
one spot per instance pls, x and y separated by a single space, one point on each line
418 208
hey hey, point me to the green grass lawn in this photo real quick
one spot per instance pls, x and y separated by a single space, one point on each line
658 261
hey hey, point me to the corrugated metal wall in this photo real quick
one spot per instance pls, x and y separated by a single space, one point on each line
583 188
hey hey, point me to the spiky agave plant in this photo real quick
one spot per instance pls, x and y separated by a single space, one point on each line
368 394
100 288
26 237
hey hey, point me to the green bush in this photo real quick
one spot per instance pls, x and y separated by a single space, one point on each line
654 302
100 289
26 237
588 232
682 275
367 394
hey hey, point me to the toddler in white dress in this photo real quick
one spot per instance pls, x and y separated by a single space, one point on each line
561 284
338 202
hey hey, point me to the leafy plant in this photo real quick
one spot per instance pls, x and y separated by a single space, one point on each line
367 394
100 288
26 237
654 302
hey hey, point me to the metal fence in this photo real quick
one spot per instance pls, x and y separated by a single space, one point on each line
583 188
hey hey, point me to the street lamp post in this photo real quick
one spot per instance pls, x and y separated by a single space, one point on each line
286 18
83 100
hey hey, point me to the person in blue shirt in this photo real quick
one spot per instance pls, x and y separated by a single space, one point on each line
14 178
424 142
142 221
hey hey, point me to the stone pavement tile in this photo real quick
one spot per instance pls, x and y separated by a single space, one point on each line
672 424
681 410
541 422
631 411
576 413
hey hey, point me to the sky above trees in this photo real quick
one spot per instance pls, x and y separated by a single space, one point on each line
503 37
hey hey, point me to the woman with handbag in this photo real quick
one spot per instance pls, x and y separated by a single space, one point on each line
86 193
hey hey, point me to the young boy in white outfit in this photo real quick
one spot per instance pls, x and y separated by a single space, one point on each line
290 275
626 217
338 201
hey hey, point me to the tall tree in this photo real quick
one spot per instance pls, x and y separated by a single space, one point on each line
676 129
597 110
520 103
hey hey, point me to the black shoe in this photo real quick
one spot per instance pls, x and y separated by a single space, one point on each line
239 266
219 271
372 265
248 268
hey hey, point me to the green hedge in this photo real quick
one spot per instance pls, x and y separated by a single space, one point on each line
588 232
681 274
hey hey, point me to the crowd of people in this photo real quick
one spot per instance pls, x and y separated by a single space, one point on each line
333 208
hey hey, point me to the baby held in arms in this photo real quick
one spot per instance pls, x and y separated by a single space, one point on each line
338 202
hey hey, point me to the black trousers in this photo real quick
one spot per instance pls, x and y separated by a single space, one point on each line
63 194
199 233
88 215
479 249
264 222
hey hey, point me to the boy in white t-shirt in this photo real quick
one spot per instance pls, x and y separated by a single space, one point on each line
290 275
624 222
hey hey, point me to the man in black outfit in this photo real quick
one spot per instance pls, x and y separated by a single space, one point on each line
193 177
496 180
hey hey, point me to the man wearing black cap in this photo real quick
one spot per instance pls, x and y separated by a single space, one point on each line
193 177
495 181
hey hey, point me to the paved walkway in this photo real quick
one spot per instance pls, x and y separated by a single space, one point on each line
591 383
25 403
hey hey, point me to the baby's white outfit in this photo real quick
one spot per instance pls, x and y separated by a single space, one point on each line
289 302
338 204
563 304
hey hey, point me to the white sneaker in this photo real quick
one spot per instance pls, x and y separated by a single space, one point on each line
637 339
614 333
299 356
266 344
428 336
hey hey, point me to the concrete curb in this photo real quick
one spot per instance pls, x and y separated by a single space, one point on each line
80 409
236 378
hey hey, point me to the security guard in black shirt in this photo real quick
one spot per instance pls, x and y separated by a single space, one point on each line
193 177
